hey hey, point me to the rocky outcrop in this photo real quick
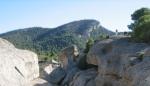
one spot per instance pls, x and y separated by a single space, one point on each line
69 74
68 57
17 67
112 62
120 63
63 75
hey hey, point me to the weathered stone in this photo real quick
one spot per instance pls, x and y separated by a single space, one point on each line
92 55
17 67
138 75
114 58
83 78
107 80
147 52
48 69
68 57
81 62
40 82
91 83
56 76
69 77
119 61
64 74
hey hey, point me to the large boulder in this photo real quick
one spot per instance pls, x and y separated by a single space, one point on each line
64 74
69 74
17 67
113 62
119 60
138 75
94 53
68 57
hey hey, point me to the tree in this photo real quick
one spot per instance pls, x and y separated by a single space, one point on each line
88 45
139 13
141 25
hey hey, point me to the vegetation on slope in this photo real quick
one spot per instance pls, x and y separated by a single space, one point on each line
47 42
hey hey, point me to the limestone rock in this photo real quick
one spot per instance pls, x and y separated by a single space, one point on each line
56 76
69 76
64 74
84 78
40 82
5 44
48 69
17 67
113 58
92 55
138 75
68 57
113 62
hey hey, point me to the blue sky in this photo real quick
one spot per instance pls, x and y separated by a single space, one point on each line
112 14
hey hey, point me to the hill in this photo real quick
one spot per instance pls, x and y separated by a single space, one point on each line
48 41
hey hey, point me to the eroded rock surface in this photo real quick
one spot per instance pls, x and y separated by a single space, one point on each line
57 76
68 57
84 78
40 82
110 62
72 75
119 63
17 67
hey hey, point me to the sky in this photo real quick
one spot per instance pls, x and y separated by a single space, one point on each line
112 14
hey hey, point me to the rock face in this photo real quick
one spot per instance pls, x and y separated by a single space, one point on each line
113 62
84 78
57 76
119 63
17 67
68 57
69 74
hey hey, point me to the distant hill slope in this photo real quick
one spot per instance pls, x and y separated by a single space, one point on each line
47 40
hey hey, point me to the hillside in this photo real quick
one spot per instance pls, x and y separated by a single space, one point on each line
48 41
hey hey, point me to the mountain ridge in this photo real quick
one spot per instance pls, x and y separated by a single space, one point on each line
51 40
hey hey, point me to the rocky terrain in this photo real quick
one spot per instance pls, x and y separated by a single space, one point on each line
111 62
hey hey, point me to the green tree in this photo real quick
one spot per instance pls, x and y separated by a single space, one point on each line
139 13
88 45
141 25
